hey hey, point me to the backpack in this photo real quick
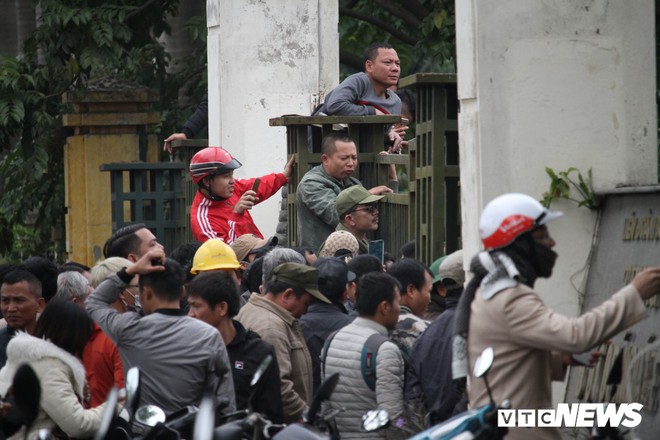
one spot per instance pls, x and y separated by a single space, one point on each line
368 357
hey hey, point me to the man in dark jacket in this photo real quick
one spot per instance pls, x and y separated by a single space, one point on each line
432 351
213 298
322 319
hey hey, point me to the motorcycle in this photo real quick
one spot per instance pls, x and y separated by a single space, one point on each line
475 424
252 425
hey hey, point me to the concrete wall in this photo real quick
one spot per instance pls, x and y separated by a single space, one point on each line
555 84
266 59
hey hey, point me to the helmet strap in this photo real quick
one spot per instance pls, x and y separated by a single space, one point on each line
208 192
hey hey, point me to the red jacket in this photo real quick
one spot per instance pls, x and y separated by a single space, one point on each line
102 365
209 219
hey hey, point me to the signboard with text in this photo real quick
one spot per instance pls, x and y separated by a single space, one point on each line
627 241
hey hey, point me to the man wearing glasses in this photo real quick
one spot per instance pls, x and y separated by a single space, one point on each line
358 214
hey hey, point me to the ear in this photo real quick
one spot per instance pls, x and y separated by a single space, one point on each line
383 307
146 293
42 303
368 66
288 294
324 158
410 290
132 258
221 308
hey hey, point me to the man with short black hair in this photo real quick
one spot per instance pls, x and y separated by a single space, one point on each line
20 302
415 279
432 351
131 242
274 315
378 303
213 298
184 358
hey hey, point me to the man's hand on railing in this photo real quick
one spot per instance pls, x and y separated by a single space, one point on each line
380 189
173 137
288 169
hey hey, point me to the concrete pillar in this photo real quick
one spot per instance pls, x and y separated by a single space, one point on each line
110 125
555 84
266 59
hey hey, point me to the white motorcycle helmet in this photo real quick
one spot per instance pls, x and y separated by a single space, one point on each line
510 215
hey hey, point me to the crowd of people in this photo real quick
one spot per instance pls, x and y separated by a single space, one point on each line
199 319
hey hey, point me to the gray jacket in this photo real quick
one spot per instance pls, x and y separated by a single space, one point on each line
316 199
350 97
176 354
352 393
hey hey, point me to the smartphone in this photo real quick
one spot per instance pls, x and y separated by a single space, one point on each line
255 185
377 249
405 121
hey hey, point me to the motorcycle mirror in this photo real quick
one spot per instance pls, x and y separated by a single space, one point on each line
484 362
132 390
27 394
324 393
375 420
108 414
261 369
204 421
150 415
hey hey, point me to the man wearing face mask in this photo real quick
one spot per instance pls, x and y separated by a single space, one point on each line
221 208
499 308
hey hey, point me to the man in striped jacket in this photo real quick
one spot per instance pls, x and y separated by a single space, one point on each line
221 208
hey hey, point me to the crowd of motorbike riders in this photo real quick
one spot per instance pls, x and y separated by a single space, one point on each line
402 336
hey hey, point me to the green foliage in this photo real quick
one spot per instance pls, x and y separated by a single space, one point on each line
561 184
422 31
74 42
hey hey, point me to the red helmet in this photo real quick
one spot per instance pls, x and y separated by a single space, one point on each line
510 215
210 161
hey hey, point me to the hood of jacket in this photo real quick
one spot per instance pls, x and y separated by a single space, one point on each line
26 348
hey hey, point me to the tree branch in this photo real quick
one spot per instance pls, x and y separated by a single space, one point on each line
351 60
144 6
379 23
396 10
416 8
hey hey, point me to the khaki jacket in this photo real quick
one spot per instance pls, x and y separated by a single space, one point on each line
279 328
528 338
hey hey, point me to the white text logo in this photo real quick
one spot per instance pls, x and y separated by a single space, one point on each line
575 415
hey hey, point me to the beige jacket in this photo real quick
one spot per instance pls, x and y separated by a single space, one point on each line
279 328
62 377
528 338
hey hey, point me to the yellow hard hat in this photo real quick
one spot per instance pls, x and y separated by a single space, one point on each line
214 254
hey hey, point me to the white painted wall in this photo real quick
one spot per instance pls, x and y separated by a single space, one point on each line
266 59
558 84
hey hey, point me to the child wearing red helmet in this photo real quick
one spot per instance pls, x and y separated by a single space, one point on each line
222 204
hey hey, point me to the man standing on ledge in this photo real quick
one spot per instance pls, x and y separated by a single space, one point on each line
222 204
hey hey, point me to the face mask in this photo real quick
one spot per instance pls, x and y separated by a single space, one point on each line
545 260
